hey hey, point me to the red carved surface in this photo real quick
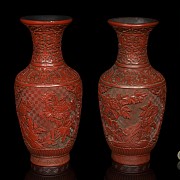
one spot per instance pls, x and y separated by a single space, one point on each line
131 117
48 99
47 75
132 98
48 117
120 76
132 45
46 43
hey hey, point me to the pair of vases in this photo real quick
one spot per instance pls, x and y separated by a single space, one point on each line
48 97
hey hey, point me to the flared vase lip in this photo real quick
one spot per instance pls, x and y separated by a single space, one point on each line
133 22
45 19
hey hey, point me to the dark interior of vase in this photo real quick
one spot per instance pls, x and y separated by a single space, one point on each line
133 20
46 17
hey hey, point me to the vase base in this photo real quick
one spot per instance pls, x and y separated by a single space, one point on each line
113 174
123 168
49 170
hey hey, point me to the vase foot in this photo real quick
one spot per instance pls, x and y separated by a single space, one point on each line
123 168
49 170
131 160
50 161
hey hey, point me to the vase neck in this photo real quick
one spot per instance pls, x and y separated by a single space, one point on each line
46 44
132 46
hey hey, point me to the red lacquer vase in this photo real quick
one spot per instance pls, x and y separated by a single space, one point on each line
48 97
132 97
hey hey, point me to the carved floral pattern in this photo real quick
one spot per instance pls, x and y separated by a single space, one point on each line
132 45
48 75
46 43
49 117
131 117
118 76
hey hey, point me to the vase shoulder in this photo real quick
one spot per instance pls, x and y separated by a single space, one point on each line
132 77
56 76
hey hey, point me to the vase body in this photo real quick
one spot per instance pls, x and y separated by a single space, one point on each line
132 96
48 96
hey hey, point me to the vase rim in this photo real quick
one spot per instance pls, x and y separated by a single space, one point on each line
46 19
133 21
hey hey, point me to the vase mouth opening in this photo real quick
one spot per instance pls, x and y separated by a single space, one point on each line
133 21
46 19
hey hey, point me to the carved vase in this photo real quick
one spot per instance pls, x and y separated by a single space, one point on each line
48 97
132 96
